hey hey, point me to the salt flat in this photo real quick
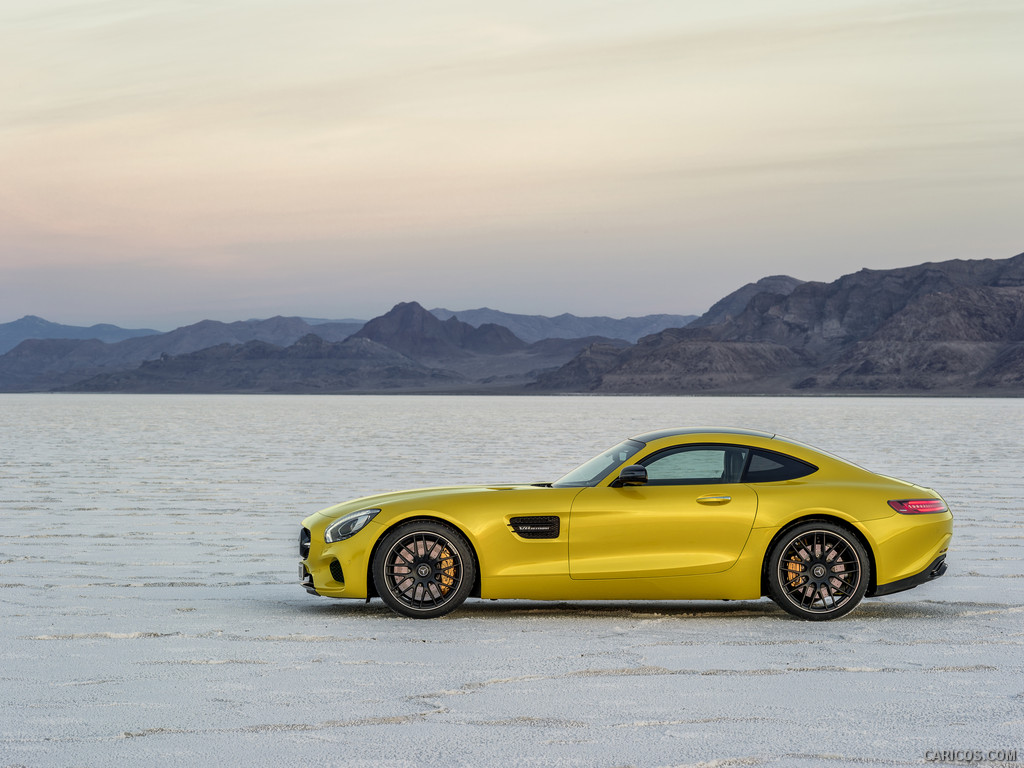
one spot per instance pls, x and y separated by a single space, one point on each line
150 612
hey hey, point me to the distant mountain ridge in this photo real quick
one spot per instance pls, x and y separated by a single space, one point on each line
41 364
532 328
33 327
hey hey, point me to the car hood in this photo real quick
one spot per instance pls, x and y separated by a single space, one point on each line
420 494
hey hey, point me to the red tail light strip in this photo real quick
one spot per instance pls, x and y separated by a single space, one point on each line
919 506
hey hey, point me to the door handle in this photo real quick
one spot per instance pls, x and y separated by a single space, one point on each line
714 499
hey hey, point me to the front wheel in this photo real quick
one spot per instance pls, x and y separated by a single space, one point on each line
818 571
423 569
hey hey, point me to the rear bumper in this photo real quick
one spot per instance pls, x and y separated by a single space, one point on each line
933 571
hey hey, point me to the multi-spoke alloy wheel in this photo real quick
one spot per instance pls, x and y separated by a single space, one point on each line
818 571
423 569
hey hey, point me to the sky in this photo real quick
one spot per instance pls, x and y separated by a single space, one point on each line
175 160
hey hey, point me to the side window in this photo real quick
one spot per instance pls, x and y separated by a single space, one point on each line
769 467
696 465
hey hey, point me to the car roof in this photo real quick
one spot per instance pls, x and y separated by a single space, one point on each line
648 437
787 445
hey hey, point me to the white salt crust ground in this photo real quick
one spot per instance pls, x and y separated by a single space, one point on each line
150 615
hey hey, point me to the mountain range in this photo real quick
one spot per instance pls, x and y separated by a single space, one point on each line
466 354
280 330
953 327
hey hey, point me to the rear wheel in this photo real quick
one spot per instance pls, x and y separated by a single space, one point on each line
423 569
818 571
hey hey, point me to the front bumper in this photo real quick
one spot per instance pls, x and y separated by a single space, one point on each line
333 570
306 579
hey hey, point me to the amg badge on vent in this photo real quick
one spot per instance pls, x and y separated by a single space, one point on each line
536 527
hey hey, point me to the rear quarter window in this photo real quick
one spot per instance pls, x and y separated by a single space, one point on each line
771 467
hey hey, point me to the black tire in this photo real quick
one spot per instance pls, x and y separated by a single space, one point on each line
818 571
424 569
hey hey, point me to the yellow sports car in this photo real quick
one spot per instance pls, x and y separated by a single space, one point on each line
679 514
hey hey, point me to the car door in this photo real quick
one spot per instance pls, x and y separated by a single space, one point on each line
692 517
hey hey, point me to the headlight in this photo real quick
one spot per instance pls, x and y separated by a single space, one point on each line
349 525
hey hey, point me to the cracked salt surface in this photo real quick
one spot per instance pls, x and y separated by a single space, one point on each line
150 615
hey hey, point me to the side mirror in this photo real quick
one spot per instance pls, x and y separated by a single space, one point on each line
634 474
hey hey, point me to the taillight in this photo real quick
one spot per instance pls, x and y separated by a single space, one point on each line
919 506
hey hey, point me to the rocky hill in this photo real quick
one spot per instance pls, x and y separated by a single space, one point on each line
734 304
967 339
411 329
951 327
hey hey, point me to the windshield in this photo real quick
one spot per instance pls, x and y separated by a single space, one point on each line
593 471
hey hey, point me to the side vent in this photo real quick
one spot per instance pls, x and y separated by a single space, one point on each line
536 527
